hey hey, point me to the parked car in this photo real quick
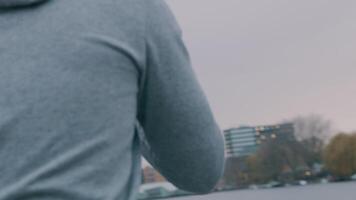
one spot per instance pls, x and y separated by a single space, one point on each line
353 177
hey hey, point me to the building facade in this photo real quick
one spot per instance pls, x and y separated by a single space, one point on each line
240 141
245 140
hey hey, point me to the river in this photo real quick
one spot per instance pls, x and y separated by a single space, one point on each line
334 191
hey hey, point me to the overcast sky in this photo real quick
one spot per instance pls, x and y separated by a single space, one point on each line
264 61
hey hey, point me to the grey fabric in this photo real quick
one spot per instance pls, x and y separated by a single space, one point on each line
18 3
80 82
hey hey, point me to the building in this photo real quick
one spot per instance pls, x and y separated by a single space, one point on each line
280 132
240 141
150 175
245 140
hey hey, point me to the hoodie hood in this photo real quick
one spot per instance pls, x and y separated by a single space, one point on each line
18 3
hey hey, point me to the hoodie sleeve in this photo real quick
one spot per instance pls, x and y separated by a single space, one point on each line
183 141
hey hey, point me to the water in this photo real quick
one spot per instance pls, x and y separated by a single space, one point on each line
335 191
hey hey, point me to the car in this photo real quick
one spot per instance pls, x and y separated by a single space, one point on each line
353 177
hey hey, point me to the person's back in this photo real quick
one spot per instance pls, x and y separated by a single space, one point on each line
79 79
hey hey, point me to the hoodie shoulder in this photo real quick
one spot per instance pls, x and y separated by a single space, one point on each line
160 20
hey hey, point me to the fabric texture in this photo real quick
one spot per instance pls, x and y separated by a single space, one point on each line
81 83
19 3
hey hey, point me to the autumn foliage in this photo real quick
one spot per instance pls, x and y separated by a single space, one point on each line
340 155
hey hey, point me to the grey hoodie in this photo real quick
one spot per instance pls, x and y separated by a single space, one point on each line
82 82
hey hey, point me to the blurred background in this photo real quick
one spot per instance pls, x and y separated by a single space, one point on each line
279 75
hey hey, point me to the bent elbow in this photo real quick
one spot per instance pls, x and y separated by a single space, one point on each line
194 164
203 173
206 183
210 173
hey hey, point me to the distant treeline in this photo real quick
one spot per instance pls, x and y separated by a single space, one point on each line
313 156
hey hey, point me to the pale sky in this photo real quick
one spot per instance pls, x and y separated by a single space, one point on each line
264 61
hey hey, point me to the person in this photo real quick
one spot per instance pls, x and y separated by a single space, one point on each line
85 86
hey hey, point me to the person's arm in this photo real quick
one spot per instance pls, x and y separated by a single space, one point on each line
184 143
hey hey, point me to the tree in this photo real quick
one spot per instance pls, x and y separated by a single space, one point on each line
278 160
313 131
340 155
353 149
236 172
312 126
